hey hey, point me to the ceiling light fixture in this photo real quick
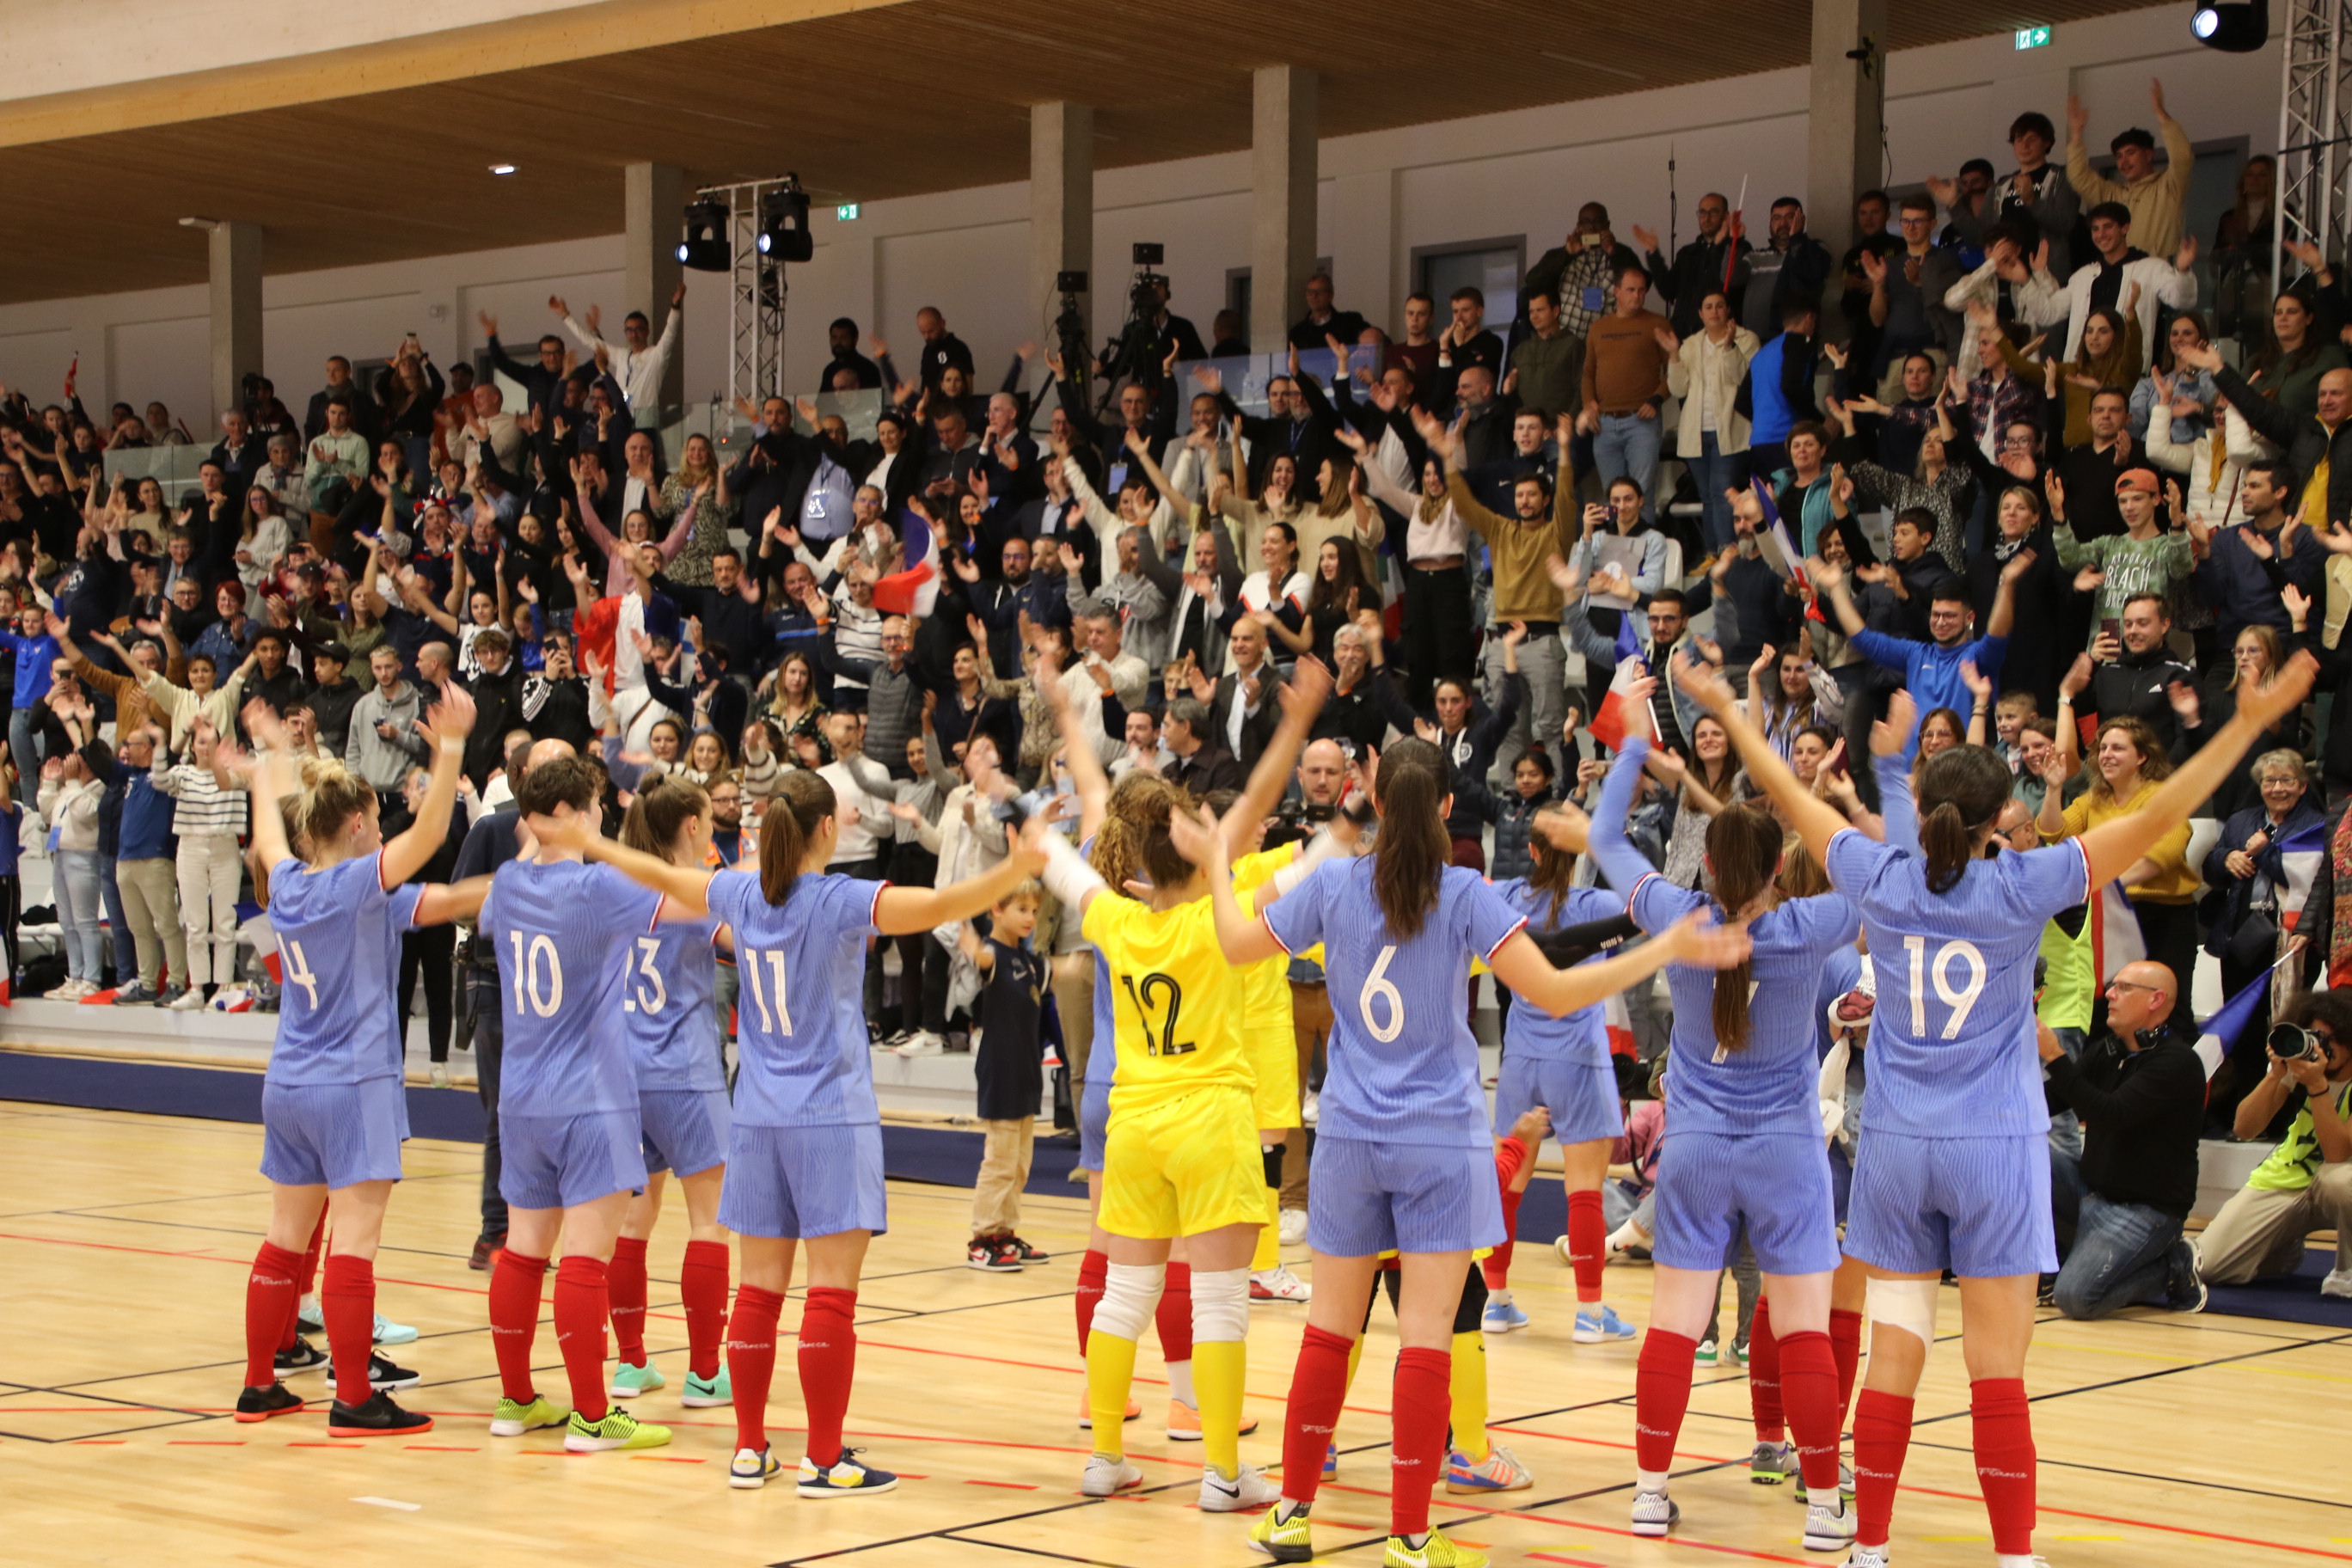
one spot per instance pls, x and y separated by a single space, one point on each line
503 168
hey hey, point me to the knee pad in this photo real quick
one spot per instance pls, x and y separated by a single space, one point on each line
1906 1304
1220 1305
1130 1295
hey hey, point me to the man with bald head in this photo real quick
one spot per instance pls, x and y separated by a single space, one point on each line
941 348
1323 772
2316 445
2140 1091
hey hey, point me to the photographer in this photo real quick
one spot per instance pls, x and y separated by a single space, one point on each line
2306 1184
2140 1091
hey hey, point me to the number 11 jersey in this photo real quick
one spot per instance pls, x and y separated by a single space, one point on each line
802 1055
565 933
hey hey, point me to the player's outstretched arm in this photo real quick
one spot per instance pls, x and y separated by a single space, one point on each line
1203 840
451 720
1521 965
900 911
1302 698
443 902
268 779
1815 820
1087 775
688 887
2114 845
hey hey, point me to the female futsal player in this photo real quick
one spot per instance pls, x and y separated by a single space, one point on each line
1953 1168
673 1033
1402 1158
804 1161
333 1109
1192 1107
1743 1146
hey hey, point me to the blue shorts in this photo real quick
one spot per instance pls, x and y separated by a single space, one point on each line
558 1162
1580 1095
1977 1207
333 1134
1777 1183
799 1181
1364 1198
1094 1125
685 1129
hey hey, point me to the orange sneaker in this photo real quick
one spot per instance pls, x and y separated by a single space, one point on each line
1184 1422
1087 1415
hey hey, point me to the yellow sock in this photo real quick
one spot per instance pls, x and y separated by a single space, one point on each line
1220 1369
1269 1241
1111 1374
1355 1354
1469 1392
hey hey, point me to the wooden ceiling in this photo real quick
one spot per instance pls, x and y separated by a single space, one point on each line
894 99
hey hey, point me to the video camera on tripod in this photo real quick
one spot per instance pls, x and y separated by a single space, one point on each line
1141 349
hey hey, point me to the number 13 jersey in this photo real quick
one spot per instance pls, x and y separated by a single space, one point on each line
804 1058
565 933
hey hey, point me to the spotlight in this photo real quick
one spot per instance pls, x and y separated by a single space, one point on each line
2233 26
705 247
503 168
784 225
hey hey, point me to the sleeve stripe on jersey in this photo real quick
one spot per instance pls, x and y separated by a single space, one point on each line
1646 880
1829 851
380 882
2084 855
873 915
1277 935
1516 927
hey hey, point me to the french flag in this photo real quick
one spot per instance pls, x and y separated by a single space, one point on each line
2114 933
1619 1026
1610 720
2302 853
2229 1021
1776 529
913 589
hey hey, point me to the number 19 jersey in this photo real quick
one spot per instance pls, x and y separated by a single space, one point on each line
799 1009
339 933
564 933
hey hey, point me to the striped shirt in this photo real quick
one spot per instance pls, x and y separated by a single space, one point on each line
207 809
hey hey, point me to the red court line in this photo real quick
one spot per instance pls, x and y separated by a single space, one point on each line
1571 1561
205 1443
438 1449
1008 1486
326 1445
2150 1524
672 1458
115 1247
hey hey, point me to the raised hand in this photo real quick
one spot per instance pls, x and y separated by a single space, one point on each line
1888 735
2019 565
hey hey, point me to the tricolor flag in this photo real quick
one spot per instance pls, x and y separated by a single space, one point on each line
2229 1021
915 588
2114 933
2302 853
1793 559
1610 720
1620 1025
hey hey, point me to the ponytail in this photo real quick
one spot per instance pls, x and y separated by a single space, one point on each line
1743 850
1961 791
659 810
803 799
1412 849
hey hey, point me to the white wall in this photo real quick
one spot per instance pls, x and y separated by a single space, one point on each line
1382 194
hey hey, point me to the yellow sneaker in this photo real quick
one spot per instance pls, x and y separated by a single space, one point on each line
1284 1540
1434 1551
618 1429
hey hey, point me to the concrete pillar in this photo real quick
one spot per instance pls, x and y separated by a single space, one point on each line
1284 122
1060 212
236 310
1846 126
653 198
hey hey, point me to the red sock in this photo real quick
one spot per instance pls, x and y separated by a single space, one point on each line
1809 1388
625 1286
1587 1243
703 1284
1422 1400
270 1301
349 1303
751 1361
1173 1317
2005 1464
306 1280
1845 1349
1764 1376
1318 1387
1093 1269
1662 1386
1881 1434
516 1282
582 1305
1498 1262
828 1366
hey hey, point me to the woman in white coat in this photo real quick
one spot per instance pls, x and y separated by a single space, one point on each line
1705 371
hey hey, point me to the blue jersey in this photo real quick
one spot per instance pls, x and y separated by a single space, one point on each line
1403 1067
1952 1039
1530 1032
800 1013
339 935
12 820
563 931
1767 1085
668 1014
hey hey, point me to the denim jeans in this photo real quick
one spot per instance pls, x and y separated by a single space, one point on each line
1628 444
2066 1127
2116 1255
1543 665
1714 472
78 909
490 1034
24 753
118 924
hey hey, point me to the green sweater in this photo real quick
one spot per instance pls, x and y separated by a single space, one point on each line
2133 566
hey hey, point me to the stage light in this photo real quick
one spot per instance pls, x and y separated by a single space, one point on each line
503 168
2233 26
706 247
784 226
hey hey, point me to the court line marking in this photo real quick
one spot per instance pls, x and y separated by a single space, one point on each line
390 1502
2042 1458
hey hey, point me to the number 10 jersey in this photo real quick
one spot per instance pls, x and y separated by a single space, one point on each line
564 932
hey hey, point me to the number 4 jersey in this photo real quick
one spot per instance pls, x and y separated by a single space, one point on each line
339 933
565 935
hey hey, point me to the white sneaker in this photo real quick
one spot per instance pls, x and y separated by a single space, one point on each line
1829 1525
1106 1474
437 1075
1310 1109
923 1044
1278 1284
1292 1228
1654 1513
1868 1557
2337 1283
71 990
1624 1235
1245 1492
187 1001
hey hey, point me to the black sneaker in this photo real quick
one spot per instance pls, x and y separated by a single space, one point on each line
304 1357
485 1251
1024 1252
383 1375
379 1417
261 1404
138 993
992 1255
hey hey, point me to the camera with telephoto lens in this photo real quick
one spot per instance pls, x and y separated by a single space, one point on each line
2293 1042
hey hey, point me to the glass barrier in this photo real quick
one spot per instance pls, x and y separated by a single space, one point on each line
174 467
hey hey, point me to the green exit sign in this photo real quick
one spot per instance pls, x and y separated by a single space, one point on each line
847 211
2034 37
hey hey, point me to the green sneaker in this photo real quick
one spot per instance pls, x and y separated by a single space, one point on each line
706 1393
1284 1540
513 1417
619 1429
1707 1354
628 1382
1771 1464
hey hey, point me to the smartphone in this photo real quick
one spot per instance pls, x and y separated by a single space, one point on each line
1592 242
2111 627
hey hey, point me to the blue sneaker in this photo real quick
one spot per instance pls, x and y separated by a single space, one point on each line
1330 1460
1599 1328
1502 1317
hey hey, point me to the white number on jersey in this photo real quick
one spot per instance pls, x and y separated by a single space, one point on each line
649 949
1962 1001
776 1017
1379 988
298 969
544 988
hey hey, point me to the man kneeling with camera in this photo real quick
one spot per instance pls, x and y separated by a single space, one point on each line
2305 1185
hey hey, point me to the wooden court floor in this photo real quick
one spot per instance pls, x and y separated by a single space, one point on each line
124 1242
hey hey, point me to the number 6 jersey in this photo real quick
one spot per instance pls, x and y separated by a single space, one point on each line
802 1055
339 933
565 935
